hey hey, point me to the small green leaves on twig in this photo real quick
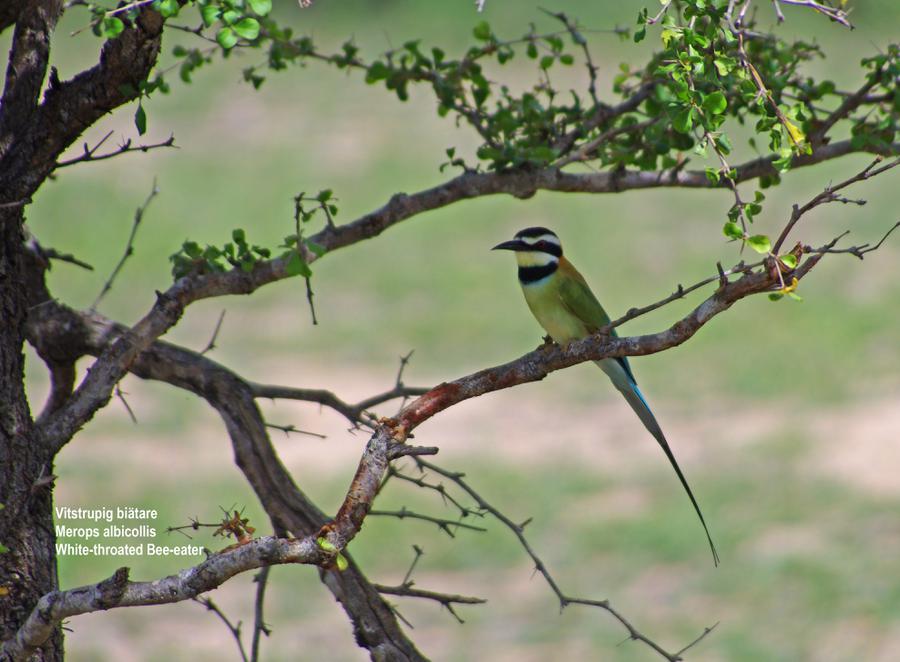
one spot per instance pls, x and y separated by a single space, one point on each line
192 258
339 559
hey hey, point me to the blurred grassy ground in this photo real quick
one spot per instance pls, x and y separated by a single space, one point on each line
784 416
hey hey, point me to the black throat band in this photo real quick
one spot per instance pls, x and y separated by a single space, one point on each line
533 274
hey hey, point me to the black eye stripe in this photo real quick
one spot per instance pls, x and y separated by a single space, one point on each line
549 247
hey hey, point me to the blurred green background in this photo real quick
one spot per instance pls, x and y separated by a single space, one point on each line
785 416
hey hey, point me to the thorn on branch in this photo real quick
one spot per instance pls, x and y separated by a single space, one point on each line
90 153
121 395
291 428
211 345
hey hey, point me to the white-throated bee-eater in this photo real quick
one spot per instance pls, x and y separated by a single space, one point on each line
562 302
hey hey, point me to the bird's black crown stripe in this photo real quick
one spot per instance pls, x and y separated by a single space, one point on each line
533 274
534 232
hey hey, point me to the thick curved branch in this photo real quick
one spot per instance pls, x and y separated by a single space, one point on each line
352 412
96 389
70 107
525 183
117 591
9 13
27 67
531 367
72 334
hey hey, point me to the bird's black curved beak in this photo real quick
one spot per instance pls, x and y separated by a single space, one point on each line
511 245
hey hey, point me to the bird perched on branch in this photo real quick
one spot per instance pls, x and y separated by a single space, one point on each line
562 302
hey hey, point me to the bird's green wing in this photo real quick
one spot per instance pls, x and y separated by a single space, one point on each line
578 299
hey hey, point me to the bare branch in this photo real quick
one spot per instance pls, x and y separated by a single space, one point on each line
829 195
259 623
290 510
288 429
129 246
234 629
90 153
539 565
65 257
445 525
834 13
211 345
118 591
447 600
856 251
352 412
525 183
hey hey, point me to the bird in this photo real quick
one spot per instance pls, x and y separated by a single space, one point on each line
563 304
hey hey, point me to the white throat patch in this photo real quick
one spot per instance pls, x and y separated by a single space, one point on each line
535 258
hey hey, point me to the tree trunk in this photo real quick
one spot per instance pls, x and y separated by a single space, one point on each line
28 566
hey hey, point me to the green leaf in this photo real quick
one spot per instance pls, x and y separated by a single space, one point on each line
140 120
210 14
546 62
168 8
639 35
566 58
341 562
760 243
732 230
482 31
111 27
789 259
377 71
226 38
712 175
261 7
324 544
316 249
3 548
296 266
248 28
775 296
239 236
683 121
715 103
192 249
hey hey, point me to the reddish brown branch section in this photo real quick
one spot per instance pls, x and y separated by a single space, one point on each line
531 367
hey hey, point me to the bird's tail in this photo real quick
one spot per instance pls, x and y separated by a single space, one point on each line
636 399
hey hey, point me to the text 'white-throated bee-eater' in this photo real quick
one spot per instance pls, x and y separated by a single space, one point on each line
562 302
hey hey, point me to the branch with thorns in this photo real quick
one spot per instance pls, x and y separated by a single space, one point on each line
90 153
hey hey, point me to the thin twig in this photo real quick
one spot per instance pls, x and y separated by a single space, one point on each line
443 524
121 395
447 600
828 195
129 247
65 257
211 345
90 153
856 251
288 429
259 623
234 629
564 600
